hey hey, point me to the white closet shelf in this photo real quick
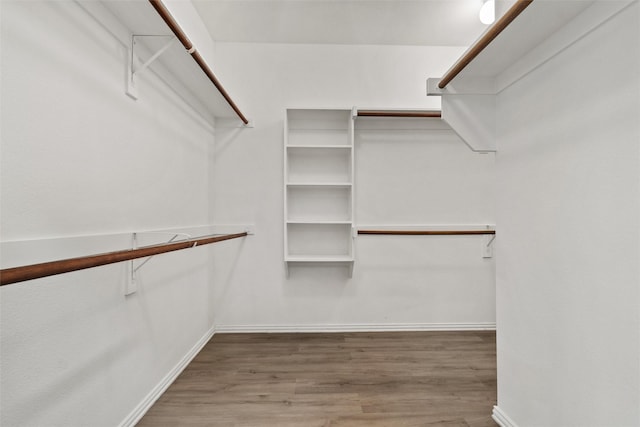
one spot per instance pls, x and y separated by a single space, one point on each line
175 65
337 129
529 34
332 146
320 184
535 35
320 258
527 31
320 222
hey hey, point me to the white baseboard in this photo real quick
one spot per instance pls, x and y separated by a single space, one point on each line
142 408
501 418
357 328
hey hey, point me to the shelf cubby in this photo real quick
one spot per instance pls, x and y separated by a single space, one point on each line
308 203
319 240
315 164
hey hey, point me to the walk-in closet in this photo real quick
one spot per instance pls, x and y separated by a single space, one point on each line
304 213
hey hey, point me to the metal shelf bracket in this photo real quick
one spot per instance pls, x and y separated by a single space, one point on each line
133 70
487 248
132 284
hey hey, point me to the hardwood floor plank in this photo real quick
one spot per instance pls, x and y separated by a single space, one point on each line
338 379
376 420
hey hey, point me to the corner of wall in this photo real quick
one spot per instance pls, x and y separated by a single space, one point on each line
143 407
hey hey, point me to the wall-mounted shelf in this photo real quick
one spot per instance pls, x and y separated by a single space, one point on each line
23 273
141 29
507 51
333 259
318 188
533 31
320 184
328 222
398 125
420 114
327 146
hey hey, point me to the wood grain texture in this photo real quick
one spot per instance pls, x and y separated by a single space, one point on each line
409 114
23 273
426 232
484 41
173 25
339 379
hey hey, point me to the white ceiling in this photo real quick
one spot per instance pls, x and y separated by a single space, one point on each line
388 22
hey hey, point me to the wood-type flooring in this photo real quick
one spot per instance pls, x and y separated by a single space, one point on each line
335 379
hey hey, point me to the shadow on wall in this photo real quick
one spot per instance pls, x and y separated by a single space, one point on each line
224 268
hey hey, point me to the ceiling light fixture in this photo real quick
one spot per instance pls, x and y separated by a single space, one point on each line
488 12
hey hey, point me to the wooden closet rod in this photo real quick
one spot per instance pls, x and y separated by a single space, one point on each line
180 34
36 271
383 113
426 232
484 41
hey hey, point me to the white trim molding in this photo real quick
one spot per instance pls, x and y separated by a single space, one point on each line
146 403
501 418
393 327
151 398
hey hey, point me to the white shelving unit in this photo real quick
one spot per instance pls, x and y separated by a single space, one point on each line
144 34
318 188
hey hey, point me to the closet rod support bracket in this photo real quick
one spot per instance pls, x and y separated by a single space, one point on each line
133 70
132 284
487 247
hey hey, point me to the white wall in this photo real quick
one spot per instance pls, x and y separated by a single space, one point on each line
398 282
82 166
568 275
